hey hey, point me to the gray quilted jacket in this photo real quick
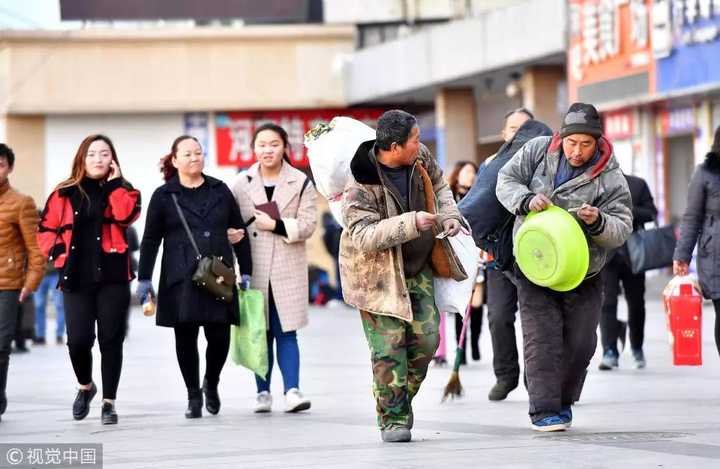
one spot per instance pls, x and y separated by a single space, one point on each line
532 171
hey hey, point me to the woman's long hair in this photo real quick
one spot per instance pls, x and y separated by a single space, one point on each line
78 167
455 173
283 136
712 159
166 167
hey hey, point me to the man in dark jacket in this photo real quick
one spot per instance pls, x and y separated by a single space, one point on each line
618 270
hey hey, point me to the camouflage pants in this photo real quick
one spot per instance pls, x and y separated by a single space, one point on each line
401 352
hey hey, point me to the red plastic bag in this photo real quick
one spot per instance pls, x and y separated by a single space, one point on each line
683 309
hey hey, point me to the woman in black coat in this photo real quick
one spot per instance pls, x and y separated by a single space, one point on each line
212 214
702 221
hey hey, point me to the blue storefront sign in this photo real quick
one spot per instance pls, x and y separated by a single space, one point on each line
686 43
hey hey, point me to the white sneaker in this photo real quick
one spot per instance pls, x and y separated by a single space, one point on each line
263 402
295 401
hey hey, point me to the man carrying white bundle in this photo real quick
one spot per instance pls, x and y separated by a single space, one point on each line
389 256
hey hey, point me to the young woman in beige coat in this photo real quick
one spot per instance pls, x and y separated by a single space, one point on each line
280 268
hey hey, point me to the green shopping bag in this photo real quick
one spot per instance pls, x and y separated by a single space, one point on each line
248 341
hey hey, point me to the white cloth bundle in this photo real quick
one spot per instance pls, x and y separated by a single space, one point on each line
331 148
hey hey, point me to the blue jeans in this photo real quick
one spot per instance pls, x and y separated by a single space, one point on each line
287 351
49 283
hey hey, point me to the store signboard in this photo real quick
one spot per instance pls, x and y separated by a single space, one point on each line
619 125
609 39
677 121
196 125
234 131
686 43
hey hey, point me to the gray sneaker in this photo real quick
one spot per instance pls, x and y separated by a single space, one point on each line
609 361
639 357
396 435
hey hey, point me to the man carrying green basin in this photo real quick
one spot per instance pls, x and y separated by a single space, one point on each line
575 170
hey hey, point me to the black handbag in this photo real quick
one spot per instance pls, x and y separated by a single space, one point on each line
211 274
651 249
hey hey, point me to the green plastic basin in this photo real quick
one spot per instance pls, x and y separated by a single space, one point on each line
551 250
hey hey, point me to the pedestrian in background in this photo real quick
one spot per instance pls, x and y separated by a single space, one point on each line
210 211
83 231
22 272
277 237
331 239
502 295
575 168
460 181
49 286
393 207
618 270
700 225
133 249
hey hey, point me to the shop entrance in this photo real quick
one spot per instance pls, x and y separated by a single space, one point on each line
680 164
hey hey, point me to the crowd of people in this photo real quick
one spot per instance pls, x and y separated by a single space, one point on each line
398 212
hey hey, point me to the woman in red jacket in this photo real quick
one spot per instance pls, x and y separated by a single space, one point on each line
83 231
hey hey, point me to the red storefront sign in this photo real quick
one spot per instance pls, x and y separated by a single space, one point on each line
234 131
608 40
619 125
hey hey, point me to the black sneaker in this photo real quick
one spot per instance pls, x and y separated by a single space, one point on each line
500 391
108 416
38 341
81 406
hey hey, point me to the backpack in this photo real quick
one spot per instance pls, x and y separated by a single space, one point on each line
491 223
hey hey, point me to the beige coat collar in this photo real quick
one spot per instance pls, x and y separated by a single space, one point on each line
285 187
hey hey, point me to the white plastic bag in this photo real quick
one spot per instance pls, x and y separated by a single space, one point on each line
331 148
452 296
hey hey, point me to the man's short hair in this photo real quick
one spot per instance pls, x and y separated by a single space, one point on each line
7 153
394 126
521 110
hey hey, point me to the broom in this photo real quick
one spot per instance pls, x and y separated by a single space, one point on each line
453 388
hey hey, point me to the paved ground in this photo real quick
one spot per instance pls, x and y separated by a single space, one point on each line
661 417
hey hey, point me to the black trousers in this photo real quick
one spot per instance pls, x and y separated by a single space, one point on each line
107 306
716 304
616 271
186 349
559 339
502 299
8 319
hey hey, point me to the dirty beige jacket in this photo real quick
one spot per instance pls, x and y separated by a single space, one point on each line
371 263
